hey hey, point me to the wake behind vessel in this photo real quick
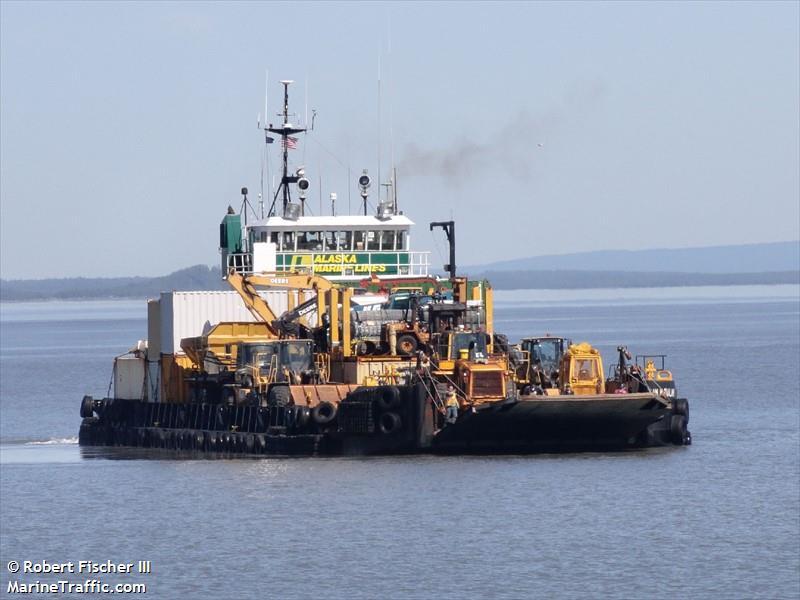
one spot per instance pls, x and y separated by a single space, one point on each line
293 361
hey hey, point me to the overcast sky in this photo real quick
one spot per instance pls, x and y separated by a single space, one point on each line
126 129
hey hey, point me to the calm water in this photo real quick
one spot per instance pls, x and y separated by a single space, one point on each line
719 519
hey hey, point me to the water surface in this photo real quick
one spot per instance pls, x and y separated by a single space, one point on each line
719 519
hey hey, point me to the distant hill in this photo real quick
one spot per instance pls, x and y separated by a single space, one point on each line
749 258
568 280
721 265
199 277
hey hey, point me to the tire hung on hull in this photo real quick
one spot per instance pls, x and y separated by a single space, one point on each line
388 397
680 406
87 407
389 423
323 413
677 430
86 433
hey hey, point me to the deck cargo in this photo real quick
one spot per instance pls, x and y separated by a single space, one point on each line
336 339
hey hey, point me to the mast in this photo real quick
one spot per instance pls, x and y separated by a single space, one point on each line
285 131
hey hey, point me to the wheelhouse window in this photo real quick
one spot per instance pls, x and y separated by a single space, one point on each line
359 240
309 241
275 238
387 240
288 241
373 240
401 240
345 239
330 240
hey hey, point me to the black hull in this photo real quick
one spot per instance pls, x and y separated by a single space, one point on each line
363 426
564 424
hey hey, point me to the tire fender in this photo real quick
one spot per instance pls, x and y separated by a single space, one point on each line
323 413
681 407
390 423
388 397
677 429
87 407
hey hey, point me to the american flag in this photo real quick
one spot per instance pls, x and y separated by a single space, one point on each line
289 142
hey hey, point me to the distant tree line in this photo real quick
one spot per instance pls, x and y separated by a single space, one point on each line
201 277
521 280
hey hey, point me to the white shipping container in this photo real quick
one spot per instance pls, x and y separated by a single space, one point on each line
129 377
189 314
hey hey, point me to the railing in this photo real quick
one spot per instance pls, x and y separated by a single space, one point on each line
336 265
242 262
419 263
322 362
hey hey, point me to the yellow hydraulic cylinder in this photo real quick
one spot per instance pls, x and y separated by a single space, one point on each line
334 324
476 291
320 307
347 294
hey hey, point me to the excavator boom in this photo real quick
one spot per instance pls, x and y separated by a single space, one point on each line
246 286
252 300
285 279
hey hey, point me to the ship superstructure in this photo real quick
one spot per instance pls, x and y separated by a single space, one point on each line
343 248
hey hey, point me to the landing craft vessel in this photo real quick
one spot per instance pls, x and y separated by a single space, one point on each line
336 339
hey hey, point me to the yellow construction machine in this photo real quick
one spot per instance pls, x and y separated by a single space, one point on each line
581 371
535 363
216 351
457 352
293 322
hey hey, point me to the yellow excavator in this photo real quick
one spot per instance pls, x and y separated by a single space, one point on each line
292 322
272 360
